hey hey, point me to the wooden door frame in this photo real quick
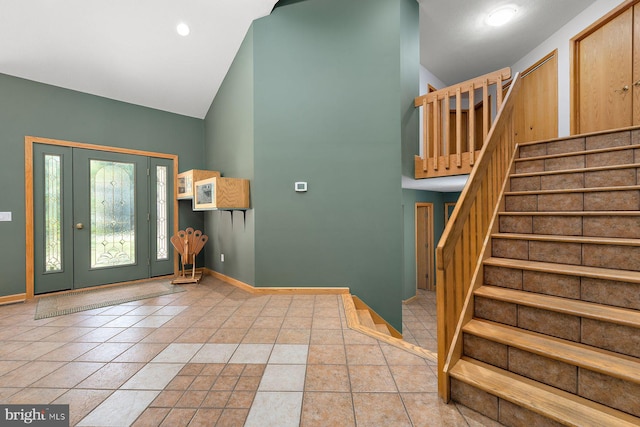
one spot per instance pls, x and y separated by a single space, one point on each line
574 45
28 185
430 251
447 205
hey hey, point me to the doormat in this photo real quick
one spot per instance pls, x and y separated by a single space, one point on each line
73 302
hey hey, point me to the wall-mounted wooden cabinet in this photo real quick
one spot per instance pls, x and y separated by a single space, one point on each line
187 180
221 193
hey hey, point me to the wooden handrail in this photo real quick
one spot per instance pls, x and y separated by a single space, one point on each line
478 83
461 249
437 143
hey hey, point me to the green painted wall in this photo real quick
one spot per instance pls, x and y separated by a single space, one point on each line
229 149
409 200
30 108
330 103
410 81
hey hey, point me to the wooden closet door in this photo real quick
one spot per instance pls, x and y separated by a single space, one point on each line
605 67
536 113
636 65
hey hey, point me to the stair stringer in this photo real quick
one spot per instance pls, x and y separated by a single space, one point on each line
394 339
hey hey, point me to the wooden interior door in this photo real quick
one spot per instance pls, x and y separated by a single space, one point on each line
603 84
478 129
636 66
536 115
424 246
464 132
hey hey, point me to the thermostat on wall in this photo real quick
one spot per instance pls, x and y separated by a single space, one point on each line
301 186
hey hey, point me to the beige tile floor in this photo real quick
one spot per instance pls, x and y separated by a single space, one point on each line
419 320
218 356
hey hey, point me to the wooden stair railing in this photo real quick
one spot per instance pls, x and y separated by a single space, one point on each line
437 143
460 251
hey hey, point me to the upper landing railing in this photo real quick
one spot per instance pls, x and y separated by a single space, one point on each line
455 123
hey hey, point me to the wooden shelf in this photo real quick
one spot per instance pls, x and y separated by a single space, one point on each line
187 181
221 193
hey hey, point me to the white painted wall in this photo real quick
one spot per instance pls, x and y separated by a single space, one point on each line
560 40
428 78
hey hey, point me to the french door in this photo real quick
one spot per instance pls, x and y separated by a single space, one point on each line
99 217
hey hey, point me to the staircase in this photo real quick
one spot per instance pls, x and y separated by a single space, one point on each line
371 320
555 335
360 317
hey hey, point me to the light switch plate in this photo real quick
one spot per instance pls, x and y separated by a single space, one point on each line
5 216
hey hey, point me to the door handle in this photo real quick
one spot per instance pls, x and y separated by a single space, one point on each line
624 89
79 226
637 84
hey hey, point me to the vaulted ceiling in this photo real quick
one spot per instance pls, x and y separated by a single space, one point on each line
129 50
456 43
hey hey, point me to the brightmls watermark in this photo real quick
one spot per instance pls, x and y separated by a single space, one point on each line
34 415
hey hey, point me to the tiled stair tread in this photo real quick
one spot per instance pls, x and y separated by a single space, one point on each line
580 170
572 190
578 153
579 136
618 241
592 358
548 401
610 314
572 213
365 319
572 270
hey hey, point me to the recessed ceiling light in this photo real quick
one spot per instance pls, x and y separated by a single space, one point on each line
183 29
501 16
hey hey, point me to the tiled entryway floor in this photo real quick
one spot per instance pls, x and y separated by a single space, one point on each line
216 355
419 320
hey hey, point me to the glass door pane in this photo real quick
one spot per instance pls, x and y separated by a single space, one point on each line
113 213
161 203
53 235
162 210
53 256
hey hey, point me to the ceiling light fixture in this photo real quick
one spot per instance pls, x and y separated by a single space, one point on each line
501 16
183 29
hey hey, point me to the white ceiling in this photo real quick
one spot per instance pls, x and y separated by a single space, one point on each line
128 50
456 44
